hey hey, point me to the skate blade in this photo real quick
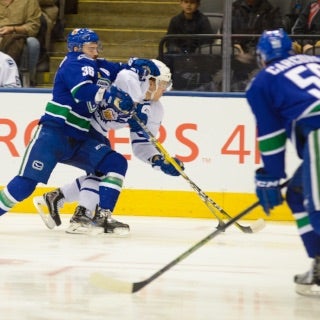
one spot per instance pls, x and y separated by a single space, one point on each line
78 228
41 206
120 232
308 290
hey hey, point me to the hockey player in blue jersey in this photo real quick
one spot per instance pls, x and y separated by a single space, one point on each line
285 100
85 190
62 134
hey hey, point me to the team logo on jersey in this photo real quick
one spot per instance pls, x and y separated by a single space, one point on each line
109 114
37 165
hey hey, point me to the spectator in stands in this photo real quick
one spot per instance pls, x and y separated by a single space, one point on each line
9 73
190 21
308 22
57 33
250 17
253 17
65 7
187 74
48 20
19 21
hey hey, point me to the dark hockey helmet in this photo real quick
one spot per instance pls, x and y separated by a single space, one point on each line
78 37
274 44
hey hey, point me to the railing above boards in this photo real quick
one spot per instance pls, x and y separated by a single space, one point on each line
210 66
215 40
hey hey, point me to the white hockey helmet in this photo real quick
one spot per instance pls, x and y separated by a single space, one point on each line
165 74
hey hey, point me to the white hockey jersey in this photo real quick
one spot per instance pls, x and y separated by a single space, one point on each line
9 74
102 122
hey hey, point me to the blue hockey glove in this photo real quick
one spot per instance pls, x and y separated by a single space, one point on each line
119 99
142 112
166 167
143 67
268 190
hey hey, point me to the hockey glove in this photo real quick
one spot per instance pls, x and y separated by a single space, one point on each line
268 190
166 167
143 67
119 99
142 111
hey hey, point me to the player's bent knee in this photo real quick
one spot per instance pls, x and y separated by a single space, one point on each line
294 198
114 162
21 187
314 219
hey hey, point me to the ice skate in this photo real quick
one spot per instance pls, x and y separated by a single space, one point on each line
308 283
52 201
103 218
80 223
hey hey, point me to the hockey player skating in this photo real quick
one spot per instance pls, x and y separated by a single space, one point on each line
85 190
62 133
285 100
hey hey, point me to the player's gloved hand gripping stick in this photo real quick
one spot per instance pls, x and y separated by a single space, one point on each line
255 227
268 190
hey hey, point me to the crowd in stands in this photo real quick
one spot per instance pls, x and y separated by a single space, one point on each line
28 29
308 22
249 17
19 21
189 21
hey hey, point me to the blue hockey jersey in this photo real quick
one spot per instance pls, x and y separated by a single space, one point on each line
285 100
74 93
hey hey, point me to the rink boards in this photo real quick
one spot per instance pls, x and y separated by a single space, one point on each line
213 134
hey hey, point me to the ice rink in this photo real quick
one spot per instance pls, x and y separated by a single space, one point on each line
45 273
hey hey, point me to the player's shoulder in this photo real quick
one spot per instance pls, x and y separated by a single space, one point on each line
79 59
127 75
8 60
157 109
104 63
258 81
109 68
260 76
11 63
83 59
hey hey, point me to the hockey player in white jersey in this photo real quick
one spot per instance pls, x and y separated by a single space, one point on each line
85 189
9 73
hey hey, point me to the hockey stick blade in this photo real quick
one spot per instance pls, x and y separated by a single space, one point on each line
203 196
256 226
101 281
259 224
211 205
107 283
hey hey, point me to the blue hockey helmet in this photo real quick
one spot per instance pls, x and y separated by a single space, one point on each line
274 44
78 37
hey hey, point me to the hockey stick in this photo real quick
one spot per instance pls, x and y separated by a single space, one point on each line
255 227
111 284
